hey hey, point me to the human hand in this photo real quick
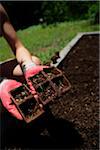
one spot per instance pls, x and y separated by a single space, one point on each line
5 87
18 71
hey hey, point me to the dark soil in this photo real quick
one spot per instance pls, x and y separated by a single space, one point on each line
46 91
30 109
38 78
73 122
20 93
81 103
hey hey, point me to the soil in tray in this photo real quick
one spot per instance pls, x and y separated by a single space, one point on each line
38 78
46 92
51 72
20 93
81 102
60 83
44 75
27 104
30 108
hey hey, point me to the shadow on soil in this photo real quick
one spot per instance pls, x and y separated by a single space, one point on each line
47 132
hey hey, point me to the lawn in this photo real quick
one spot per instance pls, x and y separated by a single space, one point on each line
45 41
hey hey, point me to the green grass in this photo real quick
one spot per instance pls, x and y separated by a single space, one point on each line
44 42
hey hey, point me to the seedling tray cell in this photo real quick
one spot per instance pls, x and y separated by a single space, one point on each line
61 84
30 110
20 94
51 72
46 92
38 78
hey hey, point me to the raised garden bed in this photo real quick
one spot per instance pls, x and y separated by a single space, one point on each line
81 103
79 106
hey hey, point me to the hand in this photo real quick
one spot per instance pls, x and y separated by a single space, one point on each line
6 86
17 70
